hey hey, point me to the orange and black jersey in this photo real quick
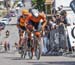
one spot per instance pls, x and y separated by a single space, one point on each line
34 19
21 21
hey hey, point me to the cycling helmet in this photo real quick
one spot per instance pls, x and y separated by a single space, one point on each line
35 12
25 12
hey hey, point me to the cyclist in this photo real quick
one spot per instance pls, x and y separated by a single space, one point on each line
34 19
21 25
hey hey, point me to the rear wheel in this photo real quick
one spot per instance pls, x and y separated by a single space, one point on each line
30 54
22 54
22 51
30 51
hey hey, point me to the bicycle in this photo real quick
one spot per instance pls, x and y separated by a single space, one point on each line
25 48
31 44
35 44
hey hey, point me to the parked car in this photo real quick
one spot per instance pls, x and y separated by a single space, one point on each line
5 21
8 17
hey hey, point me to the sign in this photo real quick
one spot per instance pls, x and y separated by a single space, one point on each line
71 34
72 5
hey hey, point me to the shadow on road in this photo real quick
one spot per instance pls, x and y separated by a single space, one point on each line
13 58
3 52
17 58
42 62
53 63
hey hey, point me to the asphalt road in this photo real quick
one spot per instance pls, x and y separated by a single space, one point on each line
14 59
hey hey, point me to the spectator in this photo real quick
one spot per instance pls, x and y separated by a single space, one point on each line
64 17
57 19
66 22
52 23
6 44
7 33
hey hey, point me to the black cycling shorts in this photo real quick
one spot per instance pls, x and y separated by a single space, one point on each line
34 24
23 27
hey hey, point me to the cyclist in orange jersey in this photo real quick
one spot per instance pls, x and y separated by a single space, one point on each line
21 24
35 18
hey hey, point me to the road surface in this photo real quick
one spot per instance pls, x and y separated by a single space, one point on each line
14 59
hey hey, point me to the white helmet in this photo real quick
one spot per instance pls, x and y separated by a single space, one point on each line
35 12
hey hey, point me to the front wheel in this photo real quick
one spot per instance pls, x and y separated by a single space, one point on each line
38 52
23 53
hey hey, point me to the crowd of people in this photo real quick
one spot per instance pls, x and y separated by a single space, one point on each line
57 25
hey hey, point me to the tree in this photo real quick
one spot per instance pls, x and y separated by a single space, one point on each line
34 2
39 4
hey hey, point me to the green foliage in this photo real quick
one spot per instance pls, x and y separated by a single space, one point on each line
40 4
34 2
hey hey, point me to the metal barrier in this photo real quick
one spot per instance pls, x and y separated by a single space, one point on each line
57 42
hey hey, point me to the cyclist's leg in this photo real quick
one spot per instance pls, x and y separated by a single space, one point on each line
30 24
21 31
20 39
